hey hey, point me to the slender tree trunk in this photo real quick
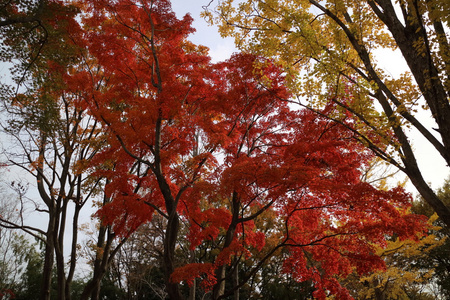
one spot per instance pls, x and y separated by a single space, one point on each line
92 288
236 279
219 287
59 249
193 288
101 264
48 261
73 252
170 239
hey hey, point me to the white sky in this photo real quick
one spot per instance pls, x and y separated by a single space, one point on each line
220 49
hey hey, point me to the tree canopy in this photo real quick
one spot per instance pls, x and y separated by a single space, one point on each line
331 45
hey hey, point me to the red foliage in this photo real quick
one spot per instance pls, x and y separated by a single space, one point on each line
189 272
218 145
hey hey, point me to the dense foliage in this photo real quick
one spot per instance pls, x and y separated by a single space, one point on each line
334 44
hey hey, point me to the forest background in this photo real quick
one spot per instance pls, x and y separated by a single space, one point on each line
127 265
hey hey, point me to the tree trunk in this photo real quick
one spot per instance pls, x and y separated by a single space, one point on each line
101 263
236 279
193 288
219 287
413 43
59 249
48 261
102 260
170 239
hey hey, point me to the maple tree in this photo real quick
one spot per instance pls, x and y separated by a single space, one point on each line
214 149
331 45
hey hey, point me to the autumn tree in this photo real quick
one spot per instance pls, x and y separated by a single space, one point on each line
49 137
331 45
145 60
214 148
54 144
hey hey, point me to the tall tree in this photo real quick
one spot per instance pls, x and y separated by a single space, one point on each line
52 137
11 258
215 147
405 277
52 142
327 45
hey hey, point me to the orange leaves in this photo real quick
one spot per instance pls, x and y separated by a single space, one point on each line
125 213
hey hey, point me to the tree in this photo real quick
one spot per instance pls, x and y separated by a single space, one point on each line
54 145
34 37
32 277
10 261
214 147
137 269
51 138
329 45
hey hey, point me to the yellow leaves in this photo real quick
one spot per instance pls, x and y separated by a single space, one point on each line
401 272
439 10
406 92
410 248
190 47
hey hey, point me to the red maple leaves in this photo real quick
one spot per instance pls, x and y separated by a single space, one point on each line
217 146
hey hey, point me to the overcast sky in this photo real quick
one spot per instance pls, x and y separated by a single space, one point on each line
220 49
